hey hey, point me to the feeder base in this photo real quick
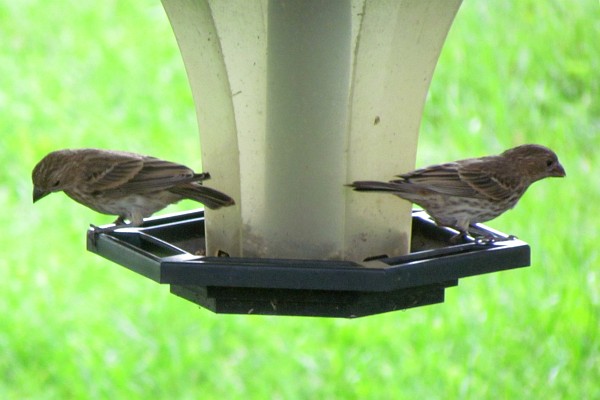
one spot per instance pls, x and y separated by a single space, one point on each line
168 250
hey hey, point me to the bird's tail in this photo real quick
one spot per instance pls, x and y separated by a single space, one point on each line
375 186
211 198
201 176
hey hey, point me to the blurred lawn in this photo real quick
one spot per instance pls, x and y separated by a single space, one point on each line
108 74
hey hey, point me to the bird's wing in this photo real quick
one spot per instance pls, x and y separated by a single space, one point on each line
442 179
491 179
109 170
156 174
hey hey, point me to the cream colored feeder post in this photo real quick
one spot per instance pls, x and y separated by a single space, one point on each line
296 98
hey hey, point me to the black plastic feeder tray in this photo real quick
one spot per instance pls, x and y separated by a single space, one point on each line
169 249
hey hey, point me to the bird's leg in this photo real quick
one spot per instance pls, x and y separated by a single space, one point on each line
120 220
460 237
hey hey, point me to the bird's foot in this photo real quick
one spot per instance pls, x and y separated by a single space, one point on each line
117 224
479 238
484 237
97 230
487 240
459 238
106 229
222 253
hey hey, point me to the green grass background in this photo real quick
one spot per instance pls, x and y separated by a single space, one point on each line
108 74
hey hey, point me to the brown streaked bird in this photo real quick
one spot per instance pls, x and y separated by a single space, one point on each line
465 192
128 185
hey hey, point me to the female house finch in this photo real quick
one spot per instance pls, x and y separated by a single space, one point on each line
465 192
129 185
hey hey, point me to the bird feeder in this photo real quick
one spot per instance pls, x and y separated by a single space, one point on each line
295 98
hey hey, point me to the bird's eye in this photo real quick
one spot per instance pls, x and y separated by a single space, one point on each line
549 162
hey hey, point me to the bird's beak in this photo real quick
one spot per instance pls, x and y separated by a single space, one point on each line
558 171
39 193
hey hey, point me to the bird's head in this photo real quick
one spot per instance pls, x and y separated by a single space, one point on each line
50 175
537 161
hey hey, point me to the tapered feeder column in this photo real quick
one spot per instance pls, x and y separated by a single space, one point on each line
297 98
